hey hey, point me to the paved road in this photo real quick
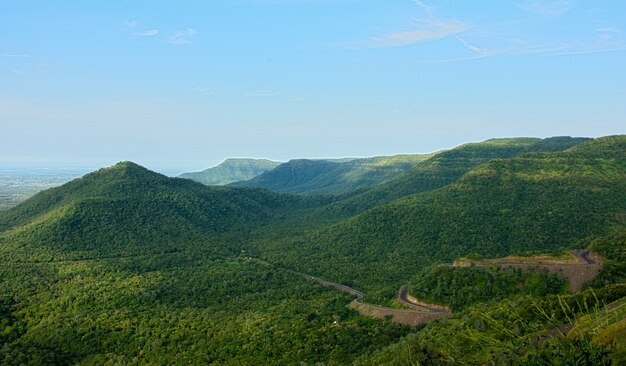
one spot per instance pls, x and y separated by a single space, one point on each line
421 312
407 300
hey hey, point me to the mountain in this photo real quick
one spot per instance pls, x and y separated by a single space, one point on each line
127 266
335 177
231 170
535 201
127 208
445 168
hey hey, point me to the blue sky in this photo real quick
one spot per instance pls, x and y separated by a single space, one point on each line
186 84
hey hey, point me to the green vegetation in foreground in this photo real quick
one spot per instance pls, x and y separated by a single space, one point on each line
335 177
177 309
231 170
517 331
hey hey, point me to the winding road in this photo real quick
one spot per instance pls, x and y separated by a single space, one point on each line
578 272
420 314
407 300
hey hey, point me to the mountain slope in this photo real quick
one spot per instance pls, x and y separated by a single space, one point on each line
537 201
127 208
231 170
446 167
333 176
126 266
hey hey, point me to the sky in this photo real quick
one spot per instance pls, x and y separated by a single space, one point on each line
185 84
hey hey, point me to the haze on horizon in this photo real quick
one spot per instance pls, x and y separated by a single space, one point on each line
190 83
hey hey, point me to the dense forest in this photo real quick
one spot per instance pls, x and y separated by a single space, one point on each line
127 266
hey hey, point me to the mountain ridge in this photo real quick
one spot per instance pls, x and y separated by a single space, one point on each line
231 170
335 176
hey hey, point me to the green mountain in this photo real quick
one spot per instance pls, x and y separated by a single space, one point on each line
127 266
535 201
447 167
231 170
333 176
129 209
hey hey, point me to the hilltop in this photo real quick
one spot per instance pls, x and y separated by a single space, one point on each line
129 209
231 170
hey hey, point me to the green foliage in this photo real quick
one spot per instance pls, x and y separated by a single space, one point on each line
613 248
460 287
189 310
127 210
445 168
333 176
126 266
539 201
231 170
517 331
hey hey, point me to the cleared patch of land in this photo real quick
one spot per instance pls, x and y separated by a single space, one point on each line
579 268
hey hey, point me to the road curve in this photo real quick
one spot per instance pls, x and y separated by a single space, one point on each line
420 314
585 256
405 299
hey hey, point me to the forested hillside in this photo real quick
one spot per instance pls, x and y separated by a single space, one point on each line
231 170
127 266
127 209
446 167
538 201
333 176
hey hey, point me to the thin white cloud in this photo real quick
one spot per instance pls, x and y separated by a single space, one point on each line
147 33
262 93
562 49
204 91
574 52
429 10
15 55
546 8
431 30
183 37
472 47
